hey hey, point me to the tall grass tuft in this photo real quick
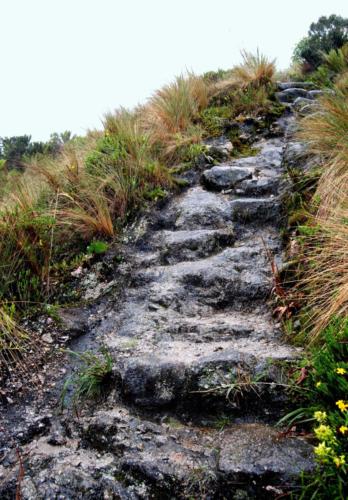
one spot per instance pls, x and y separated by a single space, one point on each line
337 59
171 116
326 134
256 70
326 278
13 340
326 244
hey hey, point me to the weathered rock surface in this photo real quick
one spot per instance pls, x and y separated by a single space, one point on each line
290 94
298 85
304 106
193 340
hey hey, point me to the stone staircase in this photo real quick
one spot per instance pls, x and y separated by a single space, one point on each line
199 362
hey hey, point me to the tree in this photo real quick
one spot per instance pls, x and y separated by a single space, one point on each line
13 149
326 34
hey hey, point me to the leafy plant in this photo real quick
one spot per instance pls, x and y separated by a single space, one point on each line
97 247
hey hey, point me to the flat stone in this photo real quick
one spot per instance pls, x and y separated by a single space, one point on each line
225 176
199 209
252 210
257 449
259 187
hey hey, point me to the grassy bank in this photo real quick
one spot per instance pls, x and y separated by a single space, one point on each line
319 291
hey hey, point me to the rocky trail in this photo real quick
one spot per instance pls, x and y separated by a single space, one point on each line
199 364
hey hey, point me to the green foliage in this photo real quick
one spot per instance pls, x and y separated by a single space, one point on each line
90 379
337 59
155 194
324 405
97 247
326 34
108 153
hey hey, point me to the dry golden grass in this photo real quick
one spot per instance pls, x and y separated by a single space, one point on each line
170 118
256 70
12 341
326 133
326 279
326 250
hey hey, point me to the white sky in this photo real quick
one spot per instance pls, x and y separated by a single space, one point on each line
64 63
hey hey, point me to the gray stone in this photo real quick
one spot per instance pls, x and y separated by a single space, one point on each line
297 85
289 95
256 210
198 209
219 148
314 94
305 106
225 176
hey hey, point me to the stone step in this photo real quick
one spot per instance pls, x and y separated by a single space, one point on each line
297 85
115 454
259 187
174 460
129 333
201 209
198 209
235 275
177 372
226 176
256 210
289 95
177 246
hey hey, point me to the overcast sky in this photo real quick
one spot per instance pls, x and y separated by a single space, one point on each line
64 63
